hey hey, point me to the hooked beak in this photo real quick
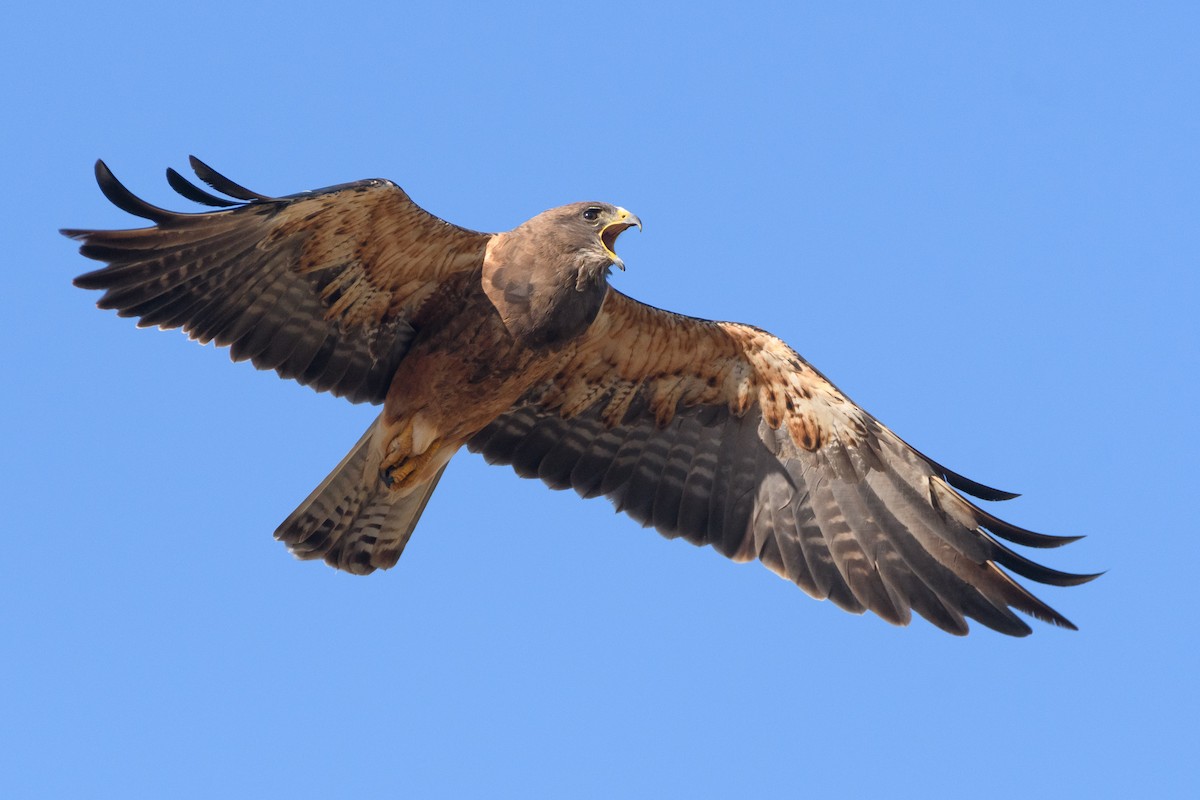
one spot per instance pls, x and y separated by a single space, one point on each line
610 232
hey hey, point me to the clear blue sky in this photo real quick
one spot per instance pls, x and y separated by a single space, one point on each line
981 222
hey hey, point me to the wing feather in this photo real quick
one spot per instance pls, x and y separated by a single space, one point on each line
320 286
720 434
778 546
222 184
194 193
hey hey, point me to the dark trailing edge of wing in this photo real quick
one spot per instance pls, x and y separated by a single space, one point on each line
635 471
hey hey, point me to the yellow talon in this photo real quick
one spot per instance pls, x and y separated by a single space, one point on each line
400 475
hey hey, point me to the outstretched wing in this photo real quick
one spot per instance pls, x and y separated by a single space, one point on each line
318 286
719 433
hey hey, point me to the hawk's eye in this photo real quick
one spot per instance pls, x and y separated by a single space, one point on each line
591 214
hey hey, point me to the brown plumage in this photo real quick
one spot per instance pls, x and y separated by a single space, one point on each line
514 345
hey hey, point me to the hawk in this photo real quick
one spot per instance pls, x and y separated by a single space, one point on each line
514 345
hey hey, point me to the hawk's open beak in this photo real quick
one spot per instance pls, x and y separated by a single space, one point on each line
610 232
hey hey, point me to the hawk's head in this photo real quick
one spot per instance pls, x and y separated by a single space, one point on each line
547 276
608 222
587 229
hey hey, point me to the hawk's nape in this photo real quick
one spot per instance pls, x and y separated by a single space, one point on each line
513 344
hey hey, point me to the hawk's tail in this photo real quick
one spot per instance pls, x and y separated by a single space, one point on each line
352 520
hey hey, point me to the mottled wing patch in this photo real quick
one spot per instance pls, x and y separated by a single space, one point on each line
318 286
720 434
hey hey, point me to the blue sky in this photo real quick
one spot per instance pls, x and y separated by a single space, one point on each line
980 222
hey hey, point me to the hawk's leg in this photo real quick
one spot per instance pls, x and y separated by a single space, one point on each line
408 472
410 453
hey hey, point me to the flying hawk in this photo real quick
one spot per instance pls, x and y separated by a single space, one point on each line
515 346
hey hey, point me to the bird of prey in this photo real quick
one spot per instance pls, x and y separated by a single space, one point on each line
515 346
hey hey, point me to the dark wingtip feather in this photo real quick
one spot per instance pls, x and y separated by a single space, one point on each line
1057 620
1018 535
96 279
222 184
1037 572
1040 611
1017 632
965 484
1024 601
974 488
954 629
194 193
126 200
